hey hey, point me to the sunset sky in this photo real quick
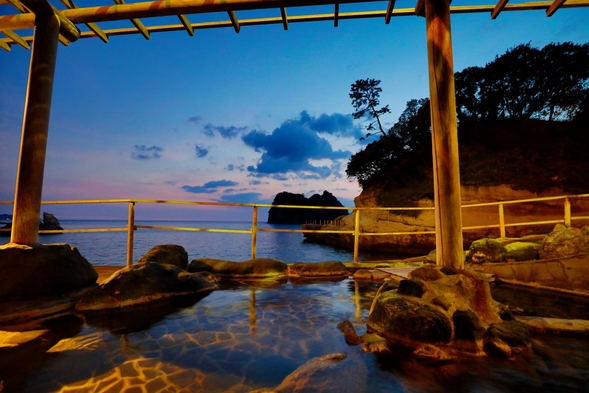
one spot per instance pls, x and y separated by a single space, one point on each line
234 117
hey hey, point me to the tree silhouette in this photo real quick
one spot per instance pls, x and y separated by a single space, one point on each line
365 95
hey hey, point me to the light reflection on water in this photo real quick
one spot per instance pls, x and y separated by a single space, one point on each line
244 337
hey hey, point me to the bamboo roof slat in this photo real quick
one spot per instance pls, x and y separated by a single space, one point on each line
92 26
554 7
234 21
390 7
186 23
136 22
284 18
4 46
498 8
16 38
16 4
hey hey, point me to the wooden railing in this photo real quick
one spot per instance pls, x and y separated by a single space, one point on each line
567 219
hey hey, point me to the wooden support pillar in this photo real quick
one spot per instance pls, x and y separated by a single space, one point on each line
444 135
31 162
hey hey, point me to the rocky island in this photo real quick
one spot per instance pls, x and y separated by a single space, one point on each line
284 215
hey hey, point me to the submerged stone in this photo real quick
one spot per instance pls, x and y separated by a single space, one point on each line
166 253
349 333
143 283
31 272
334 372
253 268
318 269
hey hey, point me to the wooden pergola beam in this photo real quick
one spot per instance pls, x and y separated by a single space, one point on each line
42 7
554 7
336 15
92 26
498 8
284 18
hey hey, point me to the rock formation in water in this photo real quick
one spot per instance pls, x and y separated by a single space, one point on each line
48 223
279 215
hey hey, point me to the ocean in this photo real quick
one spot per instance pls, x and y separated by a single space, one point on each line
109 248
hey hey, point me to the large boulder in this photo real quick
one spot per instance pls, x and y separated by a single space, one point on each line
409 320
31 272
486 250
336 372
450 309
166 253
253 268
564 242
318 269
139 284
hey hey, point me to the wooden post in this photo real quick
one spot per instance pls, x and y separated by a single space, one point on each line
254 231
567 212
31 162
444 135
130 233
502 231
356 235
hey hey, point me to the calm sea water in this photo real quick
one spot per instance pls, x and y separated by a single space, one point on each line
109 248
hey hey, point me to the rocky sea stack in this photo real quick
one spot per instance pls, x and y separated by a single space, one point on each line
279 215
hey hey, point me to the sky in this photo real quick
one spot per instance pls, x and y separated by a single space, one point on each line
234 117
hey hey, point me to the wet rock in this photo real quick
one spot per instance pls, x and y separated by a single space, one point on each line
370 275
507 339
373 343
390 285
50 222
564 243
141 284
521 251
253 268
318 269
166 253
413 287
329 373
486 250
431 355
467 330
349 332
426 273
31 272
402 319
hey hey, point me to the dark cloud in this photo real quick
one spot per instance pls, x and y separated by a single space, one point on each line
143 152
245 197
195 119
289 148
210 187
230 132
201 151
335 124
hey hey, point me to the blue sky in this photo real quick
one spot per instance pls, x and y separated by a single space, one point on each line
234 117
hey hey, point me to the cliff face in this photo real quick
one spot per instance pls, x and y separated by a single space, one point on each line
280 215
410 221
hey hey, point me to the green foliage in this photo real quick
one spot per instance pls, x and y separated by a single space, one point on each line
365 96
507 133
526 82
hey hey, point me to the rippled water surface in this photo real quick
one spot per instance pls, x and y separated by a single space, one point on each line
243 337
